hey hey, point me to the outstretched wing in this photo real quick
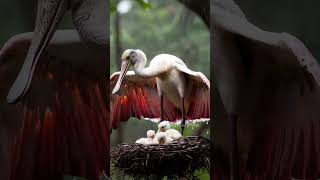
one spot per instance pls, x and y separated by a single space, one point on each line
139 98
65 54
63 118
283 48
272 81
199 87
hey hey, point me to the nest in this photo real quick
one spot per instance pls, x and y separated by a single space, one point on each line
181 158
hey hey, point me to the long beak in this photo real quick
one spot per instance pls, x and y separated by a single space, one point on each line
124 68
49 14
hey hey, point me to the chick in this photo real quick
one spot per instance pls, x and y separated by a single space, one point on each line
151 137
162 138
149 140
164 126
142 141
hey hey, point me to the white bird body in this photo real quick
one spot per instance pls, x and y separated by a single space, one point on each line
173 79
164 126
169 73
155 140
173 85
143 141
162 138
173 134
151 136
149 140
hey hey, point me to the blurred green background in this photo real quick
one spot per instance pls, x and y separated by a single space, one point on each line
165 26
155 27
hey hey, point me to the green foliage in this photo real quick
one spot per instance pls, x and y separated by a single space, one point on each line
113 6
143 3
166 27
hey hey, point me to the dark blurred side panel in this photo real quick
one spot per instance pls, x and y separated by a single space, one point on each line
265 73
60 128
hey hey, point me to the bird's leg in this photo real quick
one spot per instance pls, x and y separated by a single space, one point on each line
234 147
161 108
183 117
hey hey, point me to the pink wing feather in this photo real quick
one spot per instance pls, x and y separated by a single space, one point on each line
139 98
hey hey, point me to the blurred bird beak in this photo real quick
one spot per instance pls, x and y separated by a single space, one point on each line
49 14
124 68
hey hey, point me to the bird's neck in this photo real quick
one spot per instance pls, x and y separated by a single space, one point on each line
140 70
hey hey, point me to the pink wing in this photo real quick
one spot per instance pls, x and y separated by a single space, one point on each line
200 97
138 98
62 125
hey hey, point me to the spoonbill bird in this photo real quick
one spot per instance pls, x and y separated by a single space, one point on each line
90 19
268 94
166 75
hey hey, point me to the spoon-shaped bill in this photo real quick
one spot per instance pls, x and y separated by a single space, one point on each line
49 14
124 68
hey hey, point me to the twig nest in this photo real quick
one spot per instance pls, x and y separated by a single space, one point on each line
183 157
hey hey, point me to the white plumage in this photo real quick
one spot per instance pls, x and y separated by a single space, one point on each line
173 79
151 136
164 126
143 141
162 138
149 140
164 135
172 133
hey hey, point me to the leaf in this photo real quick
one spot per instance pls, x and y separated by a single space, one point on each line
144 4
113 6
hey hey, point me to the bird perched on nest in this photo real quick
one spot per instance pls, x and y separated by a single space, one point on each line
164 126
163 138
168 76
149 140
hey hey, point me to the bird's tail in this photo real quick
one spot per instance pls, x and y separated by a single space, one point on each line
71 140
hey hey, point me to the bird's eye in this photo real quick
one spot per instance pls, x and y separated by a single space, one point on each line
127 58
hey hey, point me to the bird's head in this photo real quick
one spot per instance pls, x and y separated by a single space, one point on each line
161 137
163 126
150 134
129 57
